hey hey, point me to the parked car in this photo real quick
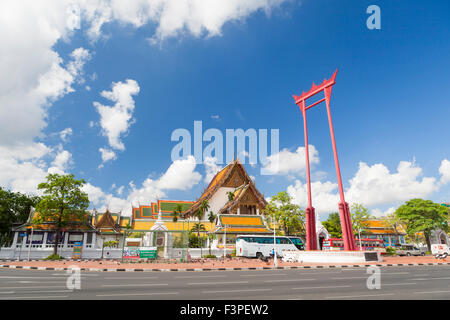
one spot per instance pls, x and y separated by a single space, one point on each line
409 250
440 251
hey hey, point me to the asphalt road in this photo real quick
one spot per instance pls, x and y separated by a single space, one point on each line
421 282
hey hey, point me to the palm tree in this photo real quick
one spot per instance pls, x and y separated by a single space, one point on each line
177 212
212 217
230 196
199 214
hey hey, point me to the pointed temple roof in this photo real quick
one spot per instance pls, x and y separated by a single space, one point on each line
233 175
107 224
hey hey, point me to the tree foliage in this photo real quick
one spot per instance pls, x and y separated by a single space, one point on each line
290 216
422 216
63 202
333 225
15 207
359 215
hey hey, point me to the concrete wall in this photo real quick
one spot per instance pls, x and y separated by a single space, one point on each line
39 253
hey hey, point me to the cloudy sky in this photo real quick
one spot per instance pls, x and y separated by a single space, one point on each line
96 88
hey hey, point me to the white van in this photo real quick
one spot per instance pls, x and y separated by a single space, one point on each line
261 246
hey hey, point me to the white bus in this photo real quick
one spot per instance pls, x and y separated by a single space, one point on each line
260 246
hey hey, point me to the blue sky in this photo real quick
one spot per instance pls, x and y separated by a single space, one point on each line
389 104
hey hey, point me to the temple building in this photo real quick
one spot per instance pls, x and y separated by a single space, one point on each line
232 197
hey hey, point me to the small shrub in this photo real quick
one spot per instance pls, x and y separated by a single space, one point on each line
54 257
390 251
211 256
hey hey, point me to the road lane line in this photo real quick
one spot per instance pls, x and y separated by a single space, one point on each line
399 284
263 275
361 295
130 278
428 292
134 294
325 287
35 297
289 280
33 287
135 285
199 277
215 283
231 291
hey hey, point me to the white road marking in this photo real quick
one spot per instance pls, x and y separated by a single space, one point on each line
398 284
7 292
215 283
289 280
428 292
33 287
199 277
242 290
263 275
361 295
326 287
135 294
135 285
35 297
130 278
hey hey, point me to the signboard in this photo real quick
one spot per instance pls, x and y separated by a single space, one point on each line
148 252
77 248
131 253
140 253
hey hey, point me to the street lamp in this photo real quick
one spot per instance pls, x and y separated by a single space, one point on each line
275 261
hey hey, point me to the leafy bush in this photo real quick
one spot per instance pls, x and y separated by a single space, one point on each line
54 257
211 256
390 251
233 253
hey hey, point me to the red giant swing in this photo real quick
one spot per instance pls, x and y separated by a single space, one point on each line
344 212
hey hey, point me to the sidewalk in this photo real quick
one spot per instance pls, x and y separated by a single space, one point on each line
210 265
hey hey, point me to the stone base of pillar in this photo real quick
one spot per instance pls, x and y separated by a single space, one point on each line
311 237
346 224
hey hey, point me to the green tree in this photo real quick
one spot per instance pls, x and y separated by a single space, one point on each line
290 216
63 202
230 195
211 237
333 225
359 215
422 216
212 217
199 214
393 221
177 212
15 207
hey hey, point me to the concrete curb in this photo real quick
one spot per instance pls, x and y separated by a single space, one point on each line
228 269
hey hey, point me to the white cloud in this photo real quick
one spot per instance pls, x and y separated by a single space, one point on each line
107 154
115 120
444 170
34 75
181 175
61 162
64 134
380 213
371 186
172 17
211 168
290 163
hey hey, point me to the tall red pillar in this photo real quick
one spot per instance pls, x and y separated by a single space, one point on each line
344 212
